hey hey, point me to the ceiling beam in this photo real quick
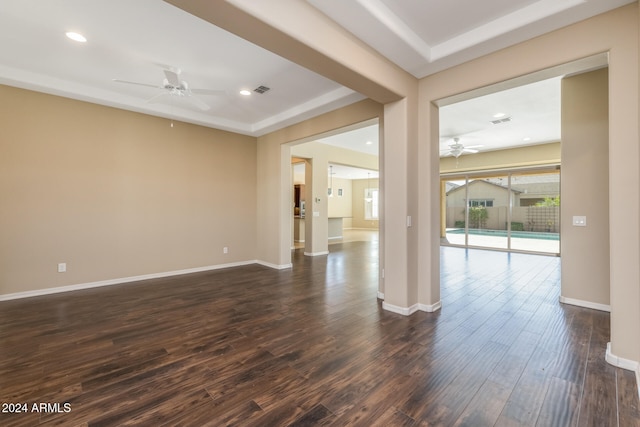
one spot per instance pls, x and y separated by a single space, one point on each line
295 30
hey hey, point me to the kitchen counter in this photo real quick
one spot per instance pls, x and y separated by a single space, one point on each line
334 231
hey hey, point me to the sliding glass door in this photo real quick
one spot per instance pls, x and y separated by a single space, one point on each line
516 210
536 214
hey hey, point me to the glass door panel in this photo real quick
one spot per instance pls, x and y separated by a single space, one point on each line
488 211
536 212
455 211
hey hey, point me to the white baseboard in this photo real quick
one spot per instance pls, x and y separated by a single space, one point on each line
316 253
585 304
110 282
408 311
380 295
630 365
431 308
405 311
275 266
335 237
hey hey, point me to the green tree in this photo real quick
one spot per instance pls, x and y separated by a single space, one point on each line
478 216
549 201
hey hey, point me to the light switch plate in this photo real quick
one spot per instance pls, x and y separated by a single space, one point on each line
580 221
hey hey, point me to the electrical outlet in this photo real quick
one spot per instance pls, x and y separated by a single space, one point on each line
225 250
62 267
580 221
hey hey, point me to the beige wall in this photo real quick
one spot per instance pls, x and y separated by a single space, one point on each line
116 194
334 154
340 205
585 187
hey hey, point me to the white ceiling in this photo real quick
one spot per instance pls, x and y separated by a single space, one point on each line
532 111
364 140
427 36
135 40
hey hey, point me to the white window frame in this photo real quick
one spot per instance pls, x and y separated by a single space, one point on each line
371 204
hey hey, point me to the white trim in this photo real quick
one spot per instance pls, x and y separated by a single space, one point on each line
585 304
380 295
275 266
408 311
405 311
630 365
316 253
80 286
430 308
397 26
335 237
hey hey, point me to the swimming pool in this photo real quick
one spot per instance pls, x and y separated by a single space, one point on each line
503 233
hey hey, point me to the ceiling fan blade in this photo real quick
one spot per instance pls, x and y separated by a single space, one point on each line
172 78
199 103
157 97
167 67
136 83
209 91
469 150
474 146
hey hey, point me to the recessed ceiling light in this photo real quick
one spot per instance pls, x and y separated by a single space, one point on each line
526 139
369 142
498 115
245 92
76 37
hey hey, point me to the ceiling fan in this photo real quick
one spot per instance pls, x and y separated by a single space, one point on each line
172 85
457 149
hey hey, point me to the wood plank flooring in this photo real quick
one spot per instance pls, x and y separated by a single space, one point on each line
252 346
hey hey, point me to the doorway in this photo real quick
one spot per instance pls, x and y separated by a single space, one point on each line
500 156
335 191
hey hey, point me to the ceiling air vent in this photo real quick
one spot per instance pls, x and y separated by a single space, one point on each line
261 89
498 121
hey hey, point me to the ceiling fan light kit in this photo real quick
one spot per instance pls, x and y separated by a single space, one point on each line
457 149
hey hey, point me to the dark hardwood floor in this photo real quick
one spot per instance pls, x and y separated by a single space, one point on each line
252 346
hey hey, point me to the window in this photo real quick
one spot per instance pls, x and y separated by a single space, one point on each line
481 202
371 203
